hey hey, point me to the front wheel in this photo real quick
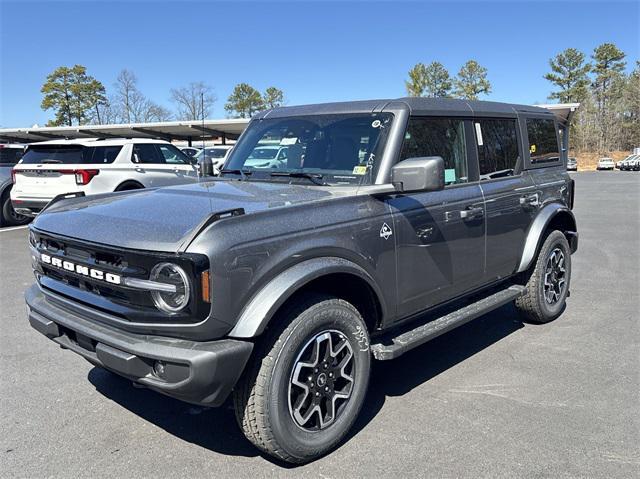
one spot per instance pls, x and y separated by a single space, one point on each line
548 285
305 387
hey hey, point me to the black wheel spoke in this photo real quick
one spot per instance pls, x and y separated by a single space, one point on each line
321 380
554 276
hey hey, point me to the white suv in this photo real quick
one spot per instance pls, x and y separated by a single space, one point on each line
605 164
51 168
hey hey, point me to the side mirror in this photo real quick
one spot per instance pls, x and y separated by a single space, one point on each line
206 166
419 174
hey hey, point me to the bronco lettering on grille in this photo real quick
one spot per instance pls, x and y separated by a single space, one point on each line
80 269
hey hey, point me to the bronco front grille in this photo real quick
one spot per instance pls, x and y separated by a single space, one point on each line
116 299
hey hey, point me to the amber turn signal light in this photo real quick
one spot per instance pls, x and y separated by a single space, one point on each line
205 286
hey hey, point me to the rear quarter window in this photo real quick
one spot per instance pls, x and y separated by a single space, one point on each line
543 141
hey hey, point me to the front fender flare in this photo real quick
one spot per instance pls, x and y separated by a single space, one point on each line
258 312
536 230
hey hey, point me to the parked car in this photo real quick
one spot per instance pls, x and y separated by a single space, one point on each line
190 151
629 162
572 164
90 167
10 154
280 285
633 164
217 154
605 164
267 156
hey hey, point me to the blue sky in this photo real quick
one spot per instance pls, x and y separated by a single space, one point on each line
315 52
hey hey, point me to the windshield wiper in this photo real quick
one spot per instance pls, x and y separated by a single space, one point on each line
51 161
315 177
243 173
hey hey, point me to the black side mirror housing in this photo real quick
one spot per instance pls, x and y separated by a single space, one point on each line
419 174
206 166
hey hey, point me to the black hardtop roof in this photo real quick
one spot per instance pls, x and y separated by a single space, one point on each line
415 105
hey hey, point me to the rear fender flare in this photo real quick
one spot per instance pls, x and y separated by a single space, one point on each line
263 305
537 229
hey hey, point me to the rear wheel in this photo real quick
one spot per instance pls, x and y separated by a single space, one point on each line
129 185
305 387
548 284
9 215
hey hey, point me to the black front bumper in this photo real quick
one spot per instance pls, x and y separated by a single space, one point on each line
197 372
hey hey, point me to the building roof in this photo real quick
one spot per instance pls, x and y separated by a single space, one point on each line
166 130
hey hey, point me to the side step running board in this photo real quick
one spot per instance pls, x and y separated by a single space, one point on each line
392 347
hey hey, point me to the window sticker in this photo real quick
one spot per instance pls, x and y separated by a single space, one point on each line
450 175
376 124
479 134
359 170
288 141
532 148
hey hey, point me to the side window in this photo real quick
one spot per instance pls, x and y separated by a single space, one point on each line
105 154
282 155
438 137
497 142
146 153
543 142
172 155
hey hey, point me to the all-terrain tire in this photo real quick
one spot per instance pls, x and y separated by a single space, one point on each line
534 305
262 396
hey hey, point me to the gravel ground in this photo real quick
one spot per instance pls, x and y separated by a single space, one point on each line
495 398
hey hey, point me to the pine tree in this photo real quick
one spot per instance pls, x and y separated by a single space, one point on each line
608 67
417 80
569 73
437 81
73 95
472 81
244 101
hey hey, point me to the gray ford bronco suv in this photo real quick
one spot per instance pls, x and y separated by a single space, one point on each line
386 224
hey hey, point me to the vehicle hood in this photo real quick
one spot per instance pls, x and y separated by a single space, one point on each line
162 219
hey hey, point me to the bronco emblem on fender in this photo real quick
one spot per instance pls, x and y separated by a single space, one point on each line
385 231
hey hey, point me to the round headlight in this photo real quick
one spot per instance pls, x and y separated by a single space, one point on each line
174 275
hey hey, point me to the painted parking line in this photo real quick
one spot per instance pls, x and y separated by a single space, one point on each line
13 228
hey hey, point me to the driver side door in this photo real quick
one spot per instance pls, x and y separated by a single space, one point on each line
439 234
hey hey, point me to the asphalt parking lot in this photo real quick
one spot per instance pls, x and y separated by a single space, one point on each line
495 398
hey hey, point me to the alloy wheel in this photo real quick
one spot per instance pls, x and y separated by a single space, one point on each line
321 381
554 276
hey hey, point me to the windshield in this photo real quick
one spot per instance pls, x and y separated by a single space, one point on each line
70 154
338 149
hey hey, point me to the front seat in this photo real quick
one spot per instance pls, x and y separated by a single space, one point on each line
343 154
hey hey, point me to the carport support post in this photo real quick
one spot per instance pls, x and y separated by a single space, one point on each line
189 141
224 138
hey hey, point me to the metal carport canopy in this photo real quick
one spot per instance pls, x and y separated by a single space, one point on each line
562 111
166 130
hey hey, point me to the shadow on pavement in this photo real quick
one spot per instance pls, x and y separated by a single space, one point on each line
216 429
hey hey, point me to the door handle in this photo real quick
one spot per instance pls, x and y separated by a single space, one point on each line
139 169
532 200
470 213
